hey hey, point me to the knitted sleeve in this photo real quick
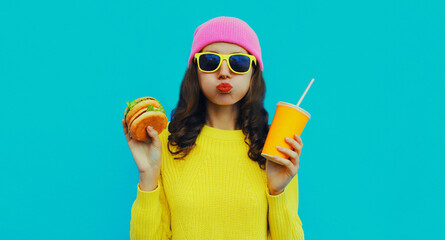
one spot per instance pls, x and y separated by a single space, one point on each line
150 215
284 222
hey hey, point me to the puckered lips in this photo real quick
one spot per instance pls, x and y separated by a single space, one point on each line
224 87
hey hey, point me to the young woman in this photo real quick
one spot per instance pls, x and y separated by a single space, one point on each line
203 177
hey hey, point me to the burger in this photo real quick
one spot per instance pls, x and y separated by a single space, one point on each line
143 112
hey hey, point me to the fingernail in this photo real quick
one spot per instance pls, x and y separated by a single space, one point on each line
287 138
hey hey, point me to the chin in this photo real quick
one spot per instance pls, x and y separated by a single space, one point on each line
224 99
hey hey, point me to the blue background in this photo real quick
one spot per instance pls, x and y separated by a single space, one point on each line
372 165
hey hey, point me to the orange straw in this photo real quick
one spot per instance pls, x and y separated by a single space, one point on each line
305 91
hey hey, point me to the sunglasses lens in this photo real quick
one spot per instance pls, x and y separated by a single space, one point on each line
209 62
240 63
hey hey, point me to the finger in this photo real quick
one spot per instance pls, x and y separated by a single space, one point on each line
124 125
299 140
155 136
294 144
294 158
288 164
272 159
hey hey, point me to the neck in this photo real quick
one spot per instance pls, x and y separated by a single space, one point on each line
222 117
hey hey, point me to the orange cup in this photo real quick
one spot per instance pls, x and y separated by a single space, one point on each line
287 121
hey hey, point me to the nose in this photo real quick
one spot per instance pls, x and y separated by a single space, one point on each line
224 70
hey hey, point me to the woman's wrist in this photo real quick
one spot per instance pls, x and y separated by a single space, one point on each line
275 192
148 182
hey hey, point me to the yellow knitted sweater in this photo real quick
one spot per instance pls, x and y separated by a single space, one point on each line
216 193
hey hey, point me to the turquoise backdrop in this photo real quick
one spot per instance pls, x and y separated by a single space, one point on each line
372 165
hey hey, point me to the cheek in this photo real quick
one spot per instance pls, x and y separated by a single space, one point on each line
201 80
205 85
244 85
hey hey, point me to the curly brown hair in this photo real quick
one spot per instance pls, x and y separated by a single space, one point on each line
188 118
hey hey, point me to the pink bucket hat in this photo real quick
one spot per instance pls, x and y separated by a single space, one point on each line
226 29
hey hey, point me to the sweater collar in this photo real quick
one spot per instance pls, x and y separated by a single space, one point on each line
222 134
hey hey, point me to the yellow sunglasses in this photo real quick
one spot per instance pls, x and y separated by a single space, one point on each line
238 62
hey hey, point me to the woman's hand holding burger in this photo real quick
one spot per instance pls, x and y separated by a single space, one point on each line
148 158
146 153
